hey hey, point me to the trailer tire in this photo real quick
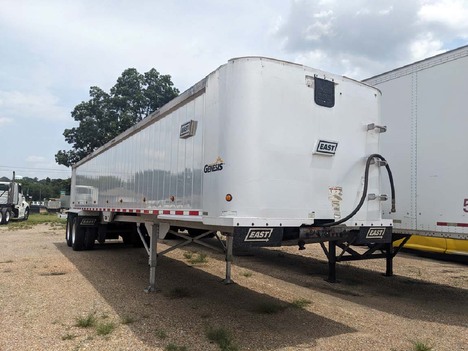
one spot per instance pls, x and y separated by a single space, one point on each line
26 214
90 238
1 216
68 231
78 235
6 215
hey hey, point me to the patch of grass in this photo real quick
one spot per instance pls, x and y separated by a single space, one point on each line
188 255
269 308
160 334
221 337
174 347
421 346
247 274
86 321
300 303
68 336
105 328
128 320
179 293
38 218
198 258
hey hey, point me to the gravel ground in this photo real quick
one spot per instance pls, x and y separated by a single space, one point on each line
279 301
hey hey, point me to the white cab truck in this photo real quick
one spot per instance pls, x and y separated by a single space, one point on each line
259 153
424 106
13 205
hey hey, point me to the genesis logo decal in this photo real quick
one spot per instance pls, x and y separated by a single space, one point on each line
375 233
325 147
214 167
259 234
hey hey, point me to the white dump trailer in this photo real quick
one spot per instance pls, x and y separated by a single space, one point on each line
423 104
263 151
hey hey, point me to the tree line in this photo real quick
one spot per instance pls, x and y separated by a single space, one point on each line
38 190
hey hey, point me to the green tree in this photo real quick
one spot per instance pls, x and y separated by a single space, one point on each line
48 188
105 116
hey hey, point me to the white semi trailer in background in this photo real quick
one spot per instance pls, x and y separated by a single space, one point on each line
13 204
261 151
423 104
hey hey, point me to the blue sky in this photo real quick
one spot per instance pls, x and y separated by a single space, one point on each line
53 51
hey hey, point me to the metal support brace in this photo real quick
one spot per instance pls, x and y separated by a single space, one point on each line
229 244
142 238
188 240
153 256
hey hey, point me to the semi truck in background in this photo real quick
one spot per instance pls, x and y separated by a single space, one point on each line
13 204
260 153
423 104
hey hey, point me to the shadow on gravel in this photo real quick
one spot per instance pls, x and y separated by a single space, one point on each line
191 300
402 296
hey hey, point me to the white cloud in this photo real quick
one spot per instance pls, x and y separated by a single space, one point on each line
20 105
449 13
4 120
424 46
35 159
365 37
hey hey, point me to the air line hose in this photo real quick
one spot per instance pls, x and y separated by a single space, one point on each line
364 190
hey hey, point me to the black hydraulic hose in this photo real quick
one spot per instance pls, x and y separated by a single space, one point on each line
364 190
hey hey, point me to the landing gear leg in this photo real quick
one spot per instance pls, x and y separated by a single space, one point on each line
331 261
389 260
229 244
153 256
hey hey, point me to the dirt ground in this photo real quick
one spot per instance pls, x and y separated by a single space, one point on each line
279 301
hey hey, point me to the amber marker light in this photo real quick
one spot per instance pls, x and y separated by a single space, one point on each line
228 197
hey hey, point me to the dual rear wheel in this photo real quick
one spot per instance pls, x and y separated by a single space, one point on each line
79 237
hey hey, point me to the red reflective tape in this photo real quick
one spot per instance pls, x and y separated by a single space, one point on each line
179 213
193 213
166 212
448 224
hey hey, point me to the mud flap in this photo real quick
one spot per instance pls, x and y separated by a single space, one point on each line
245 238
374 235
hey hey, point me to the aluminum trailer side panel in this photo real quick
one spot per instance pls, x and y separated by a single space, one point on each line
146 169
258 131
424 107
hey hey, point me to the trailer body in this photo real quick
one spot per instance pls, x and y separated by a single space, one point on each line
424 106
257 129
261 150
